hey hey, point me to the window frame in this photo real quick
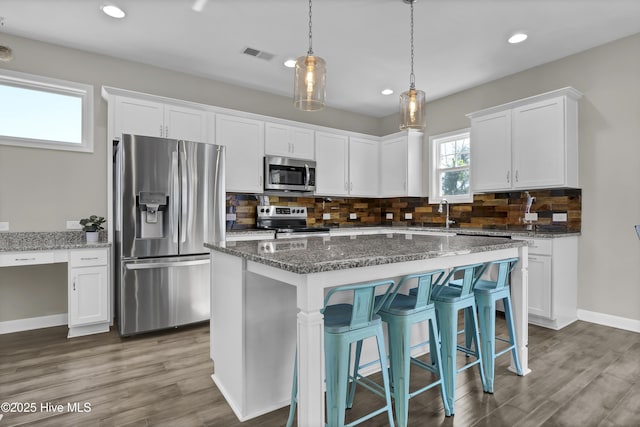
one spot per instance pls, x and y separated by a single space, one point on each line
434 170
55 86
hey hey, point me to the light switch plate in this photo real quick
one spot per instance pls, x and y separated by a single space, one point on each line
408 215
353 216
559 217
389 215
74 225
231 217
326 216
4 226
531 216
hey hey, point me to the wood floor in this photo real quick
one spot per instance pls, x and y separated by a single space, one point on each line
583 375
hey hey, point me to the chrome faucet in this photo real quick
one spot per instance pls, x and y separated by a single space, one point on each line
448 221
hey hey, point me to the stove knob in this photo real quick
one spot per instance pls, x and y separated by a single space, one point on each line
262 210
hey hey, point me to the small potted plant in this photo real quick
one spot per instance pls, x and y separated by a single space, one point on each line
92 226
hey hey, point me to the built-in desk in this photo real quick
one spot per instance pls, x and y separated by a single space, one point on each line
88 272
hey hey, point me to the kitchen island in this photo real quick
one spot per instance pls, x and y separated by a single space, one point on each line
261 289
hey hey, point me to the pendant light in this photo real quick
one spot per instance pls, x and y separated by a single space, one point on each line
309 89
412 102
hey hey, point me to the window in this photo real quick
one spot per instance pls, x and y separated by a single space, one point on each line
42 112
449 167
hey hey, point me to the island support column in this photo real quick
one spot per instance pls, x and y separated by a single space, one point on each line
310 355
520 303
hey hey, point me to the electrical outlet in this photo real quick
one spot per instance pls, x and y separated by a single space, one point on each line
4 226
74 225
389 215
531 216
408 215
559 217
353 216
326 216
231 217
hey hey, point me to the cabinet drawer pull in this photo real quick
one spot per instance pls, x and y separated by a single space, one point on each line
24 259
88 258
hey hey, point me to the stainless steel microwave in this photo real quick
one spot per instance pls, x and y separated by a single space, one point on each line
287 174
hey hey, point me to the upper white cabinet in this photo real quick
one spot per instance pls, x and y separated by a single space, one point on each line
244 142
491 152
289 141
526 144
363 167
401 165
346 166
149 118
332 163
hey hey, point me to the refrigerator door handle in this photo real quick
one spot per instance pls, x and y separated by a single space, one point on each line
186 196
151 265
175 205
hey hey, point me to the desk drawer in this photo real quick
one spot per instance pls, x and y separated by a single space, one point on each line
26 258
88 257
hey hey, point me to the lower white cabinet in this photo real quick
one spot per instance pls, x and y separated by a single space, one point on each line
88 292
553 281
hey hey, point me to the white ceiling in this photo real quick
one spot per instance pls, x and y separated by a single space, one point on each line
459 43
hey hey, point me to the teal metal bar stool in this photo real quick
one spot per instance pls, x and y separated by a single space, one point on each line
400 312
449 299
345 324
486 293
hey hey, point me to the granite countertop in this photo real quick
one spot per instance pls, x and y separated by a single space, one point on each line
47 240
513 231
318 254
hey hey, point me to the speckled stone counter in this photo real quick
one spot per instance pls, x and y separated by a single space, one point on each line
521 232
47 240
319 254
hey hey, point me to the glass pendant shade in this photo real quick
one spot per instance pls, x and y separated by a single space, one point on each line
309 90
412 110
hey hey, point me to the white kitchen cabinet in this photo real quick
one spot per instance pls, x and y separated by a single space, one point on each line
491 152
150 118
332 164
289 141
526 144
363 167
88 293
401 165
545 149
553 281
244 142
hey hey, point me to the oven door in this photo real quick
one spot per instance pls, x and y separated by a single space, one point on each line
282 173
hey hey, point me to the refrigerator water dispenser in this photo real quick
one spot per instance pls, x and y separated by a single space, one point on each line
150 221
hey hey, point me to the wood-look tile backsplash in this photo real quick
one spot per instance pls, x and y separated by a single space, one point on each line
490 210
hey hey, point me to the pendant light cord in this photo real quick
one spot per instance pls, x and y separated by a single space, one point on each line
310 52
412 78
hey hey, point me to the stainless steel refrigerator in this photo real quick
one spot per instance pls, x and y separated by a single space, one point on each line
170 199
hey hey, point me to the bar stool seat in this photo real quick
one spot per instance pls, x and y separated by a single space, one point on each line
345 324
449 300
401 312
487 292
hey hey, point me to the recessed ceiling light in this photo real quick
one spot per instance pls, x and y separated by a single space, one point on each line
387 91
113 11
517 38
290 63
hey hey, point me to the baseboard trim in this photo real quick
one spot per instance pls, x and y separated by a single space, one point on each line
19 325
609 320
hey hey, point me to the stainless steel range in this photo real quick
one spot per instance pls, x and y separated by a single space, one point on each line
288 222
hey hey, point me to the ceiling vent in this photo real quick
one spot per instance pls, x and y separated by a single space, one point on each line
258 53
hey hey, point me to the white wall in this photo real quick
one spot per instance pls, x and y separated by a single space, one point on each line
609 133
